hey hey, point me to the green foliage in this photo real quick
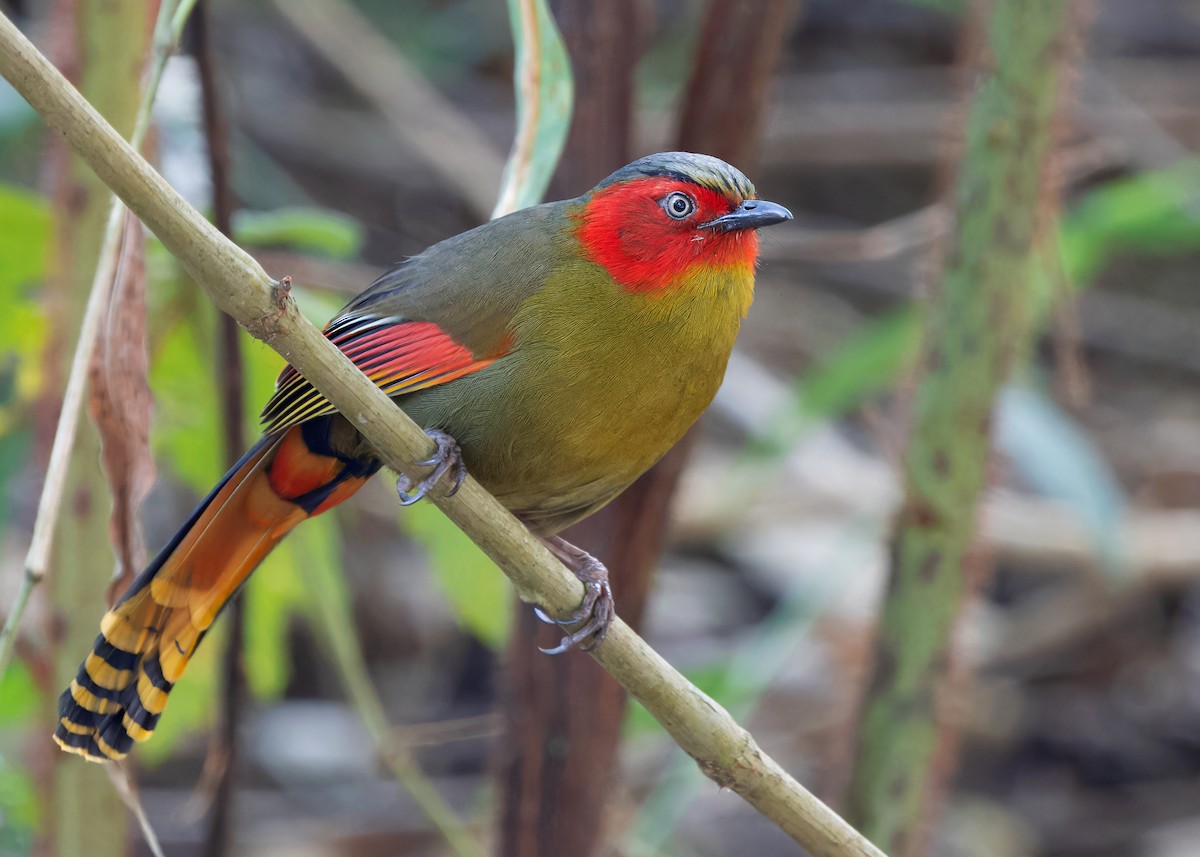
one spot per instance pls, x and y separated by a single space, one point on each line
18 695
18 809
20 705
866 364
304 229
543 112
1155 212
24 238
274 596
476 590
328 603
24 249
185 433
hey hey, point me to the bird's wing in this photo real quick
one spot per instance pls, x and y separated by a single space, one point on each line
473 284
399 355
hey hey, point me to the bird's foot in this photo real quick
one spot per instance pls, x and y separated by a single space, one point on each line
447 459
596 612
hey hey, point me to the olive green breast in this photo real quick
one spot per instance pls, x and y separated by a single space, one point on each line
598 385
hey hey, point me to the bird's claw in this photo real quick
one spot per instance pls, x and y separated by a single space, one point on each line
447 458
591 594
596 611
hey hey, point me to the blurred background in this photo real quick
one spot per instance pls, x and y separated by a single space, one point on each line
385 657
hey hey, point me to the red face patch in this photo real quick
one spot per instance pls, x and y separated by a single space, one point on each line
627 229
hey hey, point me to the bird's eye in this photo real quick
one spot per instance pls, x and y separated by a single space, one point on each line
678 205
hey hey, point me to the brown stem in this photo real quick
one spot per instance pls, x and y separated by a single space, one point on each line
562 715
228 368
739 47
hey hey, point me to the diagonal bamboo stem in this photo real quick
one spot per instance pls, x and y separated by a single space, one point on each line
238 285
978 328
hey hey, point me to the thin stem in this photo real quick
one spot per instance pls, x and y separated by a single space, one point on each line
228 368
331 614
395 754
122 781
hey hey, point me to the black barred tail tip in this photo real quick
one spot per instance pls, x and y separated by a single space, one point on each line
115 699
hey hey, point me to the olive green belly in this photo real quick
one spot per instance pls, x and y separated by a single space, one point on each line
554 440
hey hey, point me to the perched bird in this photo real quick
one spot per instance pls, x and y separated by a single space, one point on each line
556 353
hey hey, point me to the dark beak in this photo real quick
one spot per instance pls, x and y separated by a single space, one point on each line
751 214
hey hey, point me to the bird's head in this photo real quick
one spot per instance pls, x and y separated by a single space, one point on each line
651 223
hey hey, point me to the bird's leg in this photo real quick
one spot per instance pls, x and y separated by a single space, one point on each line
596 612
447 459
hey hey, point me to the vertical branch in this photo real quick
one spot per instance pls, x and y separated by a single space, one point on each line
977 329
228 368
563 715
109 40
739 48
604 44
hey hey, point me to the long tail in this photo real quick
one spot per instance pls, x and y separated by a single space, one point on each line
147 639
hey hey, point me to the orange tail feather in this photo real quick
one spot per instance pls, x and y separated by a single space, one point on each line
147 639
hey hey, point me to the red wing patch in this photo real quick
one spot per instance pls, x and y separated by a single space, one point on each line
399 356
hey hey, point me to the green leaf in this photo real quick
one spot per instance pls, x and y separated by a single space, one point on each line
310 230
19 696
186 433
545 94
19 808
866 364
475 588
274 595
23 329
24 238
1156 212
24 247
318 306
318 549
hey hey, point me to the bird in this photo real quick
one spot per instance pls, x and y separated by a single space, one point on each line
555 354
